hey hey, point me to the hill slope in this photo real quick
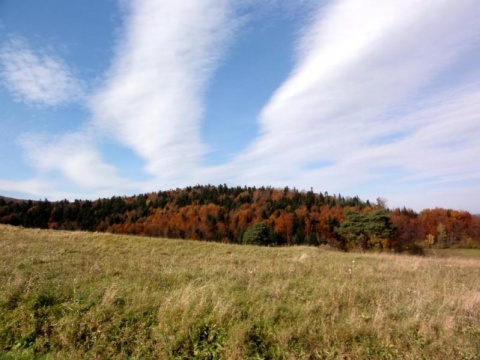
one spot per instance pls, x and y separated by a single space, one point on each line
77 295
220 213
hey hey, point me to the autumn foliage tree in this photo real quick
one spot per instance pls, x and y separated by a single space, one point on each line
230 214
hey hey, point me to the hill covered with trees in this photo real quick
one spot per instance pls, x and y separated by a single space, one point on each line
263 216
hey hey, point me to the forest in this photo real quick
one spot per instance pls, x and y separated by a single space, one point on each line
250 215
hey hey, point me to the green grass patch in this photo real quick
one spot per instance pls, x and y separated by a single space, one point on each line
87 295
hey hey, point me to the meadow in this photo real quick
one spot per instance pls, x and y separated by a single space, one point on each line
91 295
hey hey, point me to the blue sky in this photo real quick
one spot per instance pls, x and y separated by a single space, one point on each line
358 97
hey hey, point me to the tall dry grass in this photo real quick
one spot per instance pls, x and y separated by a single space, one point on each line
87 295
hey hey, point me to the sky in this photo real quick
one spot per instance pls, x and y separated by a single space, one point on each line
357 97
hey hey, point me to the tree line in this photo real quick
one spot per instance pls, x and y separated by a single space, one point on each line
263 216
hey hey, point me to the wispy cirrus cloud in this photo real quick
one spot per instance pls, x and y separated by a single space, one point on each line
35 187
75 157
367 73
37 76
152 100
382 101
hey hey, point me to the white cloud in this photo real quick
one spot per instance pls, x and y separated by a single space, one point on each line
35 187
152 98
365 70
373 106
36 76
75 156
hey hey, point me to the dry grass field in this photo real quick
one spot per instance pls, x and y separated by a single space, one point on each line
72 295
